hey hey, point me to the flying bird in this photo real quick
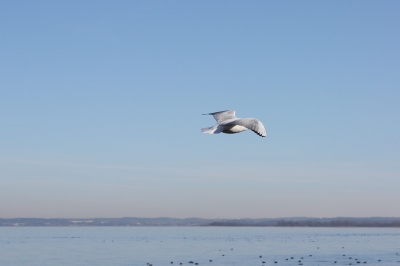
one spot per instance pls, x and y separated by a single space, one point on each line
228 123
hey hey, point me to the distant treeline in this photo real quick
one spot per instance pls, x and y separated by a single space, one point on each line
313 223
164 221
339 223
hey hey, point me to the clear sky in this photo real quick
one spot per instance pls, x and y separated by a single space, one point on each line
101 103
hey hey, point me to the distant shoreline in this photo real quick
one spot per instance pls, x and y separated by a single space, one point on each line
163 221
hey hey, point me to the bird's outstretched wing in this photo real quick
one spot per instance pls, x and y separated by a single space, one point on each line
213 130
252 124
223 115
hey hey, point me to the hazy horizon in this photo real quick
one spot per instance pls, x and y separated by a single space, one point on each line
101 103
222 218
219 218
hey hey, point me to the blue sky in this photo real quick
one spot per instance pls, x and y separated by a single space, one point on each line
101 103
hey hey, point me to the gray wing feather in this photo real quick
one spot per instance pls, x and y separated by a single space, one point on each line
223 115
213 130
252 124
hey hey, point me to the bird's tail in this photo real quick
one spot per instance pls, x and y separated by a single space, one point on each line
212 130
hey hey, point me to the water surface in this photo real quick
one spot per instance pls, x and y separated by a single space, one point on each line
20 246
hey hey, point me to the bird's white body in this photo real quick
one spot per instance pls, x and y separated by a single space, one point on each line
233 129
228 123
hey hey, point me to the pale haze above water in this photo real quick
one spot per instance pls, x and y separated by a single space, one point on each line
101 103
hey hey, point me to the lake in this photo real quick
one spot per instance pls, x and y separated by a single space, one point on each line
20 246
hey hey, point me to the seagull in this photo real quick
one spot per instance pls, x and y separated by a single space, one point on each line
228 123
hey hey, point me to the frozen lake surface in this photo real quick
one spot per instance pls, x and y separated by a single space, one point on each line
20 246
